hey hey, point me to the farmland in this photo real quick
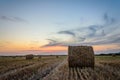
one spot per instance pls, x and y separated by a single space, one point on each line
56 68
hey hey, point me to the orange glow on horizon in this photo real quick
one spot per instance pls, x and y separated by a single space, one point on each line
36 47
105 47
54 48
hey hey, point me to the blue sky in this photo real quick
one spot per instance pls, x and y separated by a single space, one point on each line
37 24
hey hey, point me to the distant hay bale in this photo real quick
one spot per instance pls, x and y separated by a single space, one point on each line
13 56
29 56
113 55
81 56
57 56
40 56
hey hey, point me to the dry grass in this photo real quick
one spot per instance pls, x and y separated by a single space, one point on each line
106 68
29 72
107 71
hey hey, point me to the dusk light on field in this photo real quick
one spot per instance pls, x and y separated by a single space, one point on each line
59 40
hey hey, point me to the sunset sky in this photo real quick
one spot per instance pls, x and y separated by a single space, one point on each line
49 26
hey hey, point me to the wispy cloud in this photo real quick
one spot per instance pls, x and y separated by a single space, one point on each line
4 44
108 19
51 43
90 35
67 32
13 19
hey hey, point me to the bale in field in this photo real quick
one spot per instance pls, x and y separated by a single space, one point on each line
57 56
13 56
29 56
113 55
81 56
40 57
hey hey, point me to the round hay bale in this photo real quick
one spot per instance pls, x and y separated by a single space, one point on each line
29 56
40 57
81 56
57 56
113 55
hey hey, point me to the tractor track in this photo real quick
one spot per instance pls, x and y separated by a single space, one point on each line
16 69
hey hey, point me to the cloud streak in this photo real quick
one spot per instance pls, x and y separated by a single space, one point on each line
67 32
51 43
90 35
4 44
12 19
108 19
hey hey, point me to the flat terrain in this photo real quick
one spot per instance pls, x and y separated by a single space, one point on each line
56 68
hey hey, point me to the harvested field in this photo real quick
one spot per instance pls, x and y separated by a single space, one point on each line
100 72
52 68
38 69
